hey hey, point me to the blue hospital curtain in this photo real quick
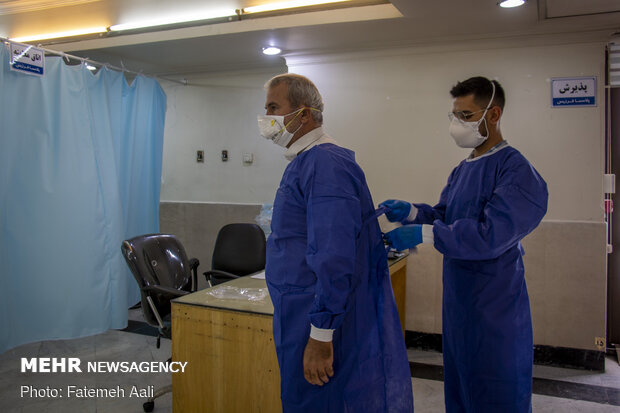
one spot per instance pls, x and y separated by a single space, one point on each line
80 171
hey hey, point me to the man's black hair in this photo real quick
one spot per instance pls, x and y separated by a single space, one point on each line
482 90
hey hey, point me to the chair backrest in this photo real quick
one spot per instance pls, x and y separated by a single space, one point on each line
239 249
157 259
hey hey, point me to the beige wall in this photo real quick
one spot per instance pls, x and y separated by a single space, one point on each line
215 113
399 100
565 276
391 108
564 264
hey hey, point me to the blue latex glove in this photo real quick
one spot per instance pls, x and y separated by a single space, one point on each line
396 211
405 237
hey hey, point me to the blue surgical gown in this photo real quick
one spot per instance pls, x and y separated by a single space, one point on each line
326 265
488 205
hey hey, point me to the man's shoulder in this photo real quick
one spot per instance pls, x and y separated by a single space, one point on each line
511 156
328 152
327 161
517 170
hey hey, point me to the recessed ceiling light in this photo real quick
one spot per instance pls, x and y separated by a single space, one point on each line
511 3
271 50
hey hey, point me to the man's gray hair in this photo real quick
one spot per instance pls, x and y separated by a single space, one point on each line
301 92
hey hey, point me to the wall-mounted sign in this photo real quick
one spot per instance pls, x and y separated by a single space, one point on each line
27 59
573 91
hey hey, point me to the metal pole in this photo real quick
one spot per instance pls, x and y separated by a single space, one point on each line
94 62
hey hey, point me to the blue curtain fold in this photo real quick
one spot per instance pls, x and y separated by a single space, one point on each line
80 171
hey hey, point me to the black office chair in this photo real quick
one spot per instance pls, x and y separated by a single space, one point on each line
160 266
239 250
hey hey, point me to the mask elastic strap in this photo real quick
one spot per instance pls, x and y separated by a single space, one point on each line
486 125
295 117
492 97
300 110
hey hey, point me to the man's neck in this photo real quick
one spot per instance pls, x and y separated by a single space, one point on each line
303 131
486 146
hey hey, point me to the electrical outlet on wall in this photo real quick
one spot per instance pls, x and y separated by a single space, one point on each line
248 158
200 156
224 155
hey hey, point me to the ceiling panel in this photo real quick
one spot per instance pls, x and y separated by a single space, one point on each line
23 6
570 8
237 45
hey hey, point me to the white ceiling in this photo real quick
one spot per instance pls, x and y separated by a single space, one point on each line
397 23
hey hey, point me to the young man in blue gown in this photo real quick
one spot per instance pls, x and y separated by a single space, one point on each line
492 200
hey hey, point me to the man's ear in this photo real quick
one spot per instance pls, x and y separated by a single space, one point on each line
305 115
495 113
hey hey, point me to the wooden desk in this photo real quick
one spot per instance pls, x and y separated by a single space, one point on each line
398 276
229 350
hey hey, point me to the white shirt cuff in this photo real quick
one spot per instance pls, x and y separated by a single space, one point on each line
412 214
321 334
427 234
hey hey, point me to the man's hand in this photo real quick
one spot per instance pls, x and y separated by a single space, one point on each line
396 210
405 237
318 361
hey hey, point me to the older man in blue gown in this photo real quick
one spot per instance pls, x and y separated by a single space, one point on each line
337 333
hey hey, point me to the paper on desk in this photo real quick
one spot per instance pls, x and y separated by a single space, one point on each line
259 276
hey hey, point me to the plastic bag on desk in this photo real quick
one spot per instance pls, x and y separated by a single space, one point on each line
227 292
263 219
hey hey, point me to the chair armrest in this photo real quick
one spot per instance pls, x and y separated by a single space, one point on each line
223 274
165 290
215 274
193 265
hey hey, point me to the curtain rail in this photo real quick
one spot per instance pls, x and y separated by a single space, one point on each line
94 62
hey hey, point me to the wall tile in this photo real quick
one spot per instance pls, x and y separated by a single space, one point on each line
197 225
565 266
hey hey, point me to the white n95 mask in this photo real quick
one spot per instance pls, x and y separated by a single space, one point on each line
467 134
272 127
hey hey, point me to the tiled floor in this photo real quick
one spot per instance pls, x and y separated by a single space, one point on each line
555 389
110 346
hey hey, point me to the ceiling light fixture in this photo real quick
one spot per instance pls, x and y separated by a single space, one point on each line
272 50
511 3
57 35
291 4
214 14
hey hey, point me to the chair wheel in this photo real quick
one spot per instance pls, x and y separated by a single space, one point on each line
148 406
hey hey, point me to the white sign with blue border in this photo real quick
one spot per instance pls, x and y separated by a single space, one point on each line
573 91
27 59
